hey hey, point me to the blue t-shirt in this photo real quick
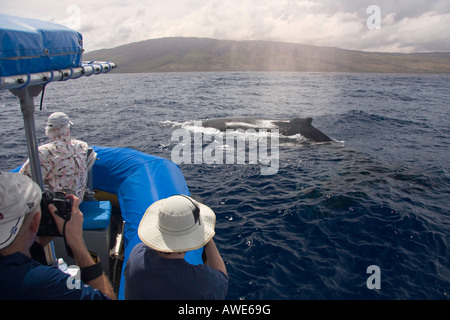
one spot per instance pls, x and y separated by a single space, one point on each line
22 278
149 276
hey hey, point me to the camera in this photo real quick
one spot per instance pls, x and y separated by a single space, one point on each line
47 226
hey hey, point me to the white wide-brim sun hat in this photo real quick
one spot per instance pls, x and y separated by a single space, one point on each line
177 224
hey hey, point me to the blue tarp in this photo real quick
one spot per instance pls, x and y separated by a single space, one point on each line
32 46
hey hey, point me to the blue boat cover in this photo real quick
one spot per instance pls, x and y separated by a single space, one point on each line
32 46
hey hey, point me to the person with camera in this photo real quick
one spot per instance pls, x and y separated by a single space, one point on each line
21 277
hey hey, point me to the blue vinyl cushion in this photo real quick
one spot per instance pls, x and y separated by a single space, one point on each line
96 214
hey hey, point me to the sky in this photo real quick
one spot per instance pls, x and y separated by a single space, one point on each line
376 25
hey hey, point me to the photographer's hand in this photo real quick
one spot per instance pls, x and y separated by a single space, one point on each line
74 239
74 227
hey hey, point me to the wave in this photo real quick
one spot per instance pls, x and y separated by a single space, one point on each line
354 116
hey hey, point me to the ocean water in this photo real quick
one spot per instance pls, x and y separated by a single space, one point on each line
378 195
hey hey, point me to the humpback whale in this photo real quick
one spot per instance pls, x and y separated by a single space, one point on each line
290 127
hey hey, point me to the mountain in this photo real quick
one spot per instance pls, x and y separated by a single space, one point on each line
201 54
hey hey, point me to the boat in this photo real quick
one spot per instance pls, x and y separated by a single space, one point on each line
126 181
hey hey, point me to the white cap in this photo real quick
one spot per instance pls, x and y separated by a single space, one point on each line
58 119
19 195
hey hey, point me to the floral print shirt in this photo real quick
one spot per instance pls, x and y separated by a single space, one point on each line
63 164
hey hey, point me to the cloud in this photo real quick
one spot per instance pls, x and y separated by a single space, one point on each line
424 33
406 25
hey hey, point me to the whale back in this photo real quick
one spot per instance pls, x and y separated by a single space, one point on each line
290 127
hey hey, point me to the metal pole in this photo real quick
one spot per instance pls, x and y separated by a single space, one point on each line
26 97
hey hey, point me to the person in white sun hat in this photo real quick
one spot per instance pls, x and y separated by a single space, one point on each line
156 268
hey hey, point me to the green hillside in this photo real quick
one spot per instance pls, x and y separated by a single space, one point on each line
200 54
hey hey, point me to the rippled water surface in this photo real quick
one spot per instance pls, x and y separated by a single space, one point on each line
377 195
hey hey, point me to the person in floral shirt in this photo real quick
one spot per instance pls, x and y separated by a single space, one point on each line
64 161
